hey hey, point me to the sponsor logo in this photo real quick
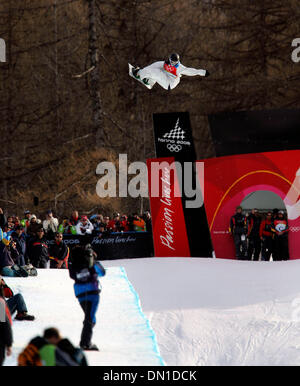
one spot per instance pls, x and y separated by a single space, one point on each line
175 139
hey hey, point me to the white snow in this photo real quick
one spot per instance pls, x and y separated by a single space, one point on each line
203 312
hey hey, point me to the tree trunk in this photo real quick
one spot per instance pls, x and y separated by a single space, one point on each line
94 75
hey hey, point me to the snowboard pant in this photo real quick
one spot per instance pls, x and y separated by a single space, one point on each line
16 303
14 271
240 247
281 246
89 304
254 245
41 263
155 72
267 248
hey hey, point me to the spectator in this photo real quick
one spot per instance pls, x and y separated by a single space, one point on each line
58 252
281 230
97 221
16 221
124 223
254 244
38 250
19 238
64 227
85 271
9 226
2 219
6 337
106 221
34 226
266 235
84 227
148 221
8 257
130 225
102 230
238 229
138 224
15 303
50 225
74 219
41 352
26 221
275 214
52 335
114 225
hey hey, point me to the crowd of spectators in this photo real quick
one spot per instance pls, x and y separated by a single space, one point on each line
75 224
260 236
24 243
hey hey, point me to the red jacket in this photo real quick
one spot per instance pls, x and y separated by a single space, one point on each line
265 229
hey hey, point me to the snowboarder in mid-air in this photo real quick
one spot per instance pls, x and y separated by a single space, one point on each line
166 73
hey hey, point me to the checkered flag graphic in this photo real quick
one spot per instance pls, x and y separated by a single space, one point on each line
176 133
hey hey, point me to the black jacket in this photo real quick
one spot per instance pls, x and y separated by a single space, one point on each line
38 250
20 244
238 224
58 251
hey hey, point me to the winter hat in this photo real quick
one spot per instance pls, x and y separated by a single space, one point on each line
84 218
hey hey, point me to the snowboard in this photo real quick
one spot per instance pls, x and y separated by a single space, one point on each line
139 80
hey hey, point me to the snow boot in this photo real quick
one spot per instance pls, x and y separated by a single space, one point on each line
24 316
135 72
146 81
91 347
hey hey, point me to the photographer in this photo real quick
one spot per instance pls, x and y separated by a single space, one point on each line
50 225
9 260
84 227
84 270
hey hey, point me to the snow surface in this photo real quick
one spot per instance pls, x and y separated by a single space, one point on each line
203 312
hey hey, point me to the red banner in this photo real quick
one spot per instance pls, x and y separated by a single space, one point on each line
168 224
228 180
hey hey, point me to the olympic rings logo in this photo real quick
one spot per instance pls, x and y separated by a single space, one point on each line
174 148
294 229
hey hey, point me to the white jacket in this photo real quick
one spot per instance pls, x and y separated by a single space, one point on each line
51 224
88 228
156 72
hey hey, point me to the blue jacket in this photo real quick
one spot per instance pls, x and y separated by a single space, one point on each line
86 280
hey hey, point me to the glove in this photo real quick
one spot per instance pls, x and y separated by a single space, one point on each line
207 73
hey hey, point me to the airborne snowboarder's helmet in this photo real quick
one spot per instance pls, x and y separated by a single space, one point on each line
174 59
